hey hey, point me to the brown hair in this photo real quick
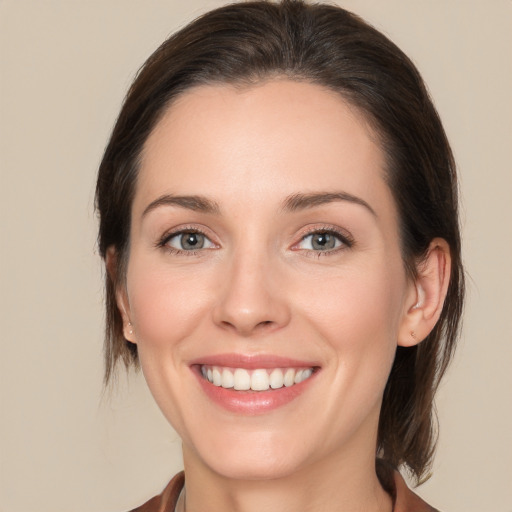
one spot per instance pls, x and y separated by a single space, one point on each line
253 41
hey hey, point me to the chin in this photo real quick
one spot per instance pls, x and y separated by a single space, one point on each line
251 456
254 467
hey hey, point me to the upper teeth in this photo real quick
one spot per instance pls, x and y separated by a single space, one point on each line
257 380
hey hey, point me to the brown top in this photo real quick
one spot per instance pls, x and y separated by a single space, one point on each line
403 498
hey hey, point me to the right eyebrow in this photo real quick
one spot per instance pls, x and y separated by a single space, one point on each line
195 203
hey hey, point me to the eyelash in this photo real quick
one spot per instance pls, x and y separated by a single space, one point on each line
163 242
346 241
345 238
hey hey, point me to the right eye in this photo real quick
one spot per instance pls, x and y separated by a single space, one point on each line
189 241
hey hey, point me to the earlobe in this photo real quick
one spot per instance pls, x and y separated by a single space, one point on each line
128 331
425 304
127 325
120 292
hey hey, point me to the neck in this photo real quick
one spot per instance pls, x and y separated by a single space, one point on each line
327 485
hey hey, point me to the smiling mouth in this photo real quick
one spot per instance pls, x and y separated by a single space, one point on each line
263 379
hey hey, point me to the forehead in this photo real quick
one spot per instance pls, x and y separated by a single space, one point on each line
267 140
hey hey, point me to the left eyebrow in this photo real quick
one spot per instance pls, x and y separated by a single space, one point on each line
298 202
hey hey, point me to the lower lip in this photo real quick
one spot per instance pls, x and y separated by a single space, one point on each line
251 402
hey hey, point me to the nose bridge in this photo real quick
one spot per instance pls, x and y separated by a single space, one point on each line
250 299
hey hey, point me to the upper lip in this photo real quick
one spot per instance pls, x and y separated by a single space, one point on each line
252 361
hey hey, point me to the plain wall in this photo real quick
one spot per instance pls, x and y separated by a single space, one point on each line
65 66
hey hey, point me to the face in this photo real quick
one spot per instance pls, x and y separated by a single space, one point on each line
265 285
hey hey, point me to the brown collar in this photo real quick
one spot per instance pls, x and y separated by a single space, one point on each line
404 499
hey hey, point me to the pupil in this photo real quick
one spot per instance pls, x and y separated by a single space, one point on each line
323 241
192 241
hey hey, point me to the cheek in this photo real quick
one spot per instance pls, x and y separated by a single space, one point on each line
167 309
360 304
357 315
165 306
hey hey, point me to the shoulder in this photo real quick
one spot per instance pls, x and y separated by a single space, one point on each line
166 501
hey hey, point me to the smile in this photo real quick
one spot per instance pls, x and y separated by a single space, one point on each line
262 379
253 384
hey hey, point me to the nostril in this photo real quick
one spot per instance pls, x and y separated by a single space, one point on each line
265 324
247 329
245 312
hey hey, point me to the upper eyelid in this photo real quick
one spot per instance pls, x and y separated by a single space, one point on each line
163 242
342 233
179 230
207 243
341 240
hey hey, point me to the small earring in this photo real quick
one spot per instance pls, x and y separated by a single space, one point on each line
413 335
130 326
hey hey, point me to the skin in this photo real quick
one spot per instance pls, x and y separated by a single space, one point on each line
258 287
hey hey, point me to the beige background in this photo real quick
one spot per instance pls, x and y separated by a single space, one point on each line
65 66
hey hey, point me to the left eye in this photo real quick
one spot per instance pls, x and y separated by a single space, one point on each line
189 241
320 241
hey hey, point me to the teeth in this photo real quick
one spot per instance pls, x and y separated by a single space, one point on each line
259 380
307 373
217 377
228 380
255 380
242 379
276 379
289 377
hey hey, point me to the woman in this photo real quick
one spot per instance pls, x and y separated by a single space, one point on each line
278 218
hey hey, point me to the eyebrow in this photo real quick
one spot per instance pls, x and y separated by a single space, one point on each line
195 203
298 202
292 203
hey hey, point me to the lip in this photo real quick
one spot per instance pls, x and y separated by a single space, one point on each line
253 361
250 402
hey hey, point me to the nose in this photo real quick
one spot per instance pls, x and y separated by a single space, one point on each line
252 296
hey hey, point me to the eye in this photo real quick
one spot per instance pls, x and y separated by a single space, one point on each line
322 241
189 241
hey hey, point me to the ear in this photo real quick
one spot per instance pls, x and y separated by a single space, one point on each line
425 299
111 262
